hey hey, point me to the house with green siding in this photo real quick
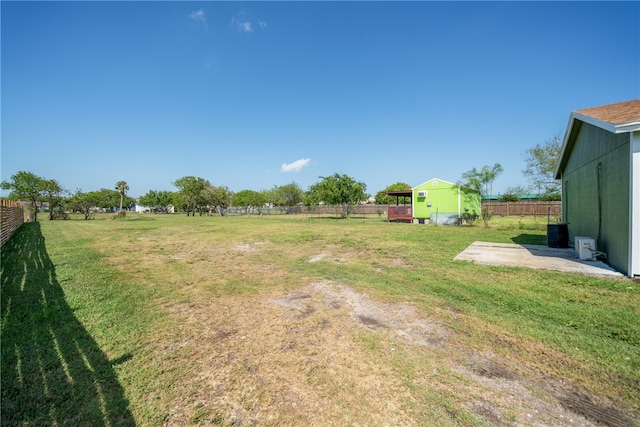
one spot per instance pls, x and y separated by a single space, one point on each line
443 202
435 202
599 167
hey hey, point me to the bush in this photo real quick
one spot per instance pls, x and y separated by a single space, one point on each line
509 198
469 217
551 197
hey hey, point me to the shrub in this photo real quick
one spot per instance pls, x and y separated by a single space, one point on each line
509 198
551 197
469 217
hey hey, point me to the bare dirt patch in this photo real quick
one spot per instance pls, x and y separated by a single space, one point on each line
250 248
399 319
326 354
539 403
577 401
317 257
399 262
288 360
327 257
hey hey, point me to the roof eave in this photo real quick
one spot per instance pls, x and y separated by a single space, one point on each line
628 127
565 143
433 179
595 122
611 127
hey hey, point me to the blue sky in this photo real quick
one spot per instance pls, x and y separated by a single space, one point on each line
250 95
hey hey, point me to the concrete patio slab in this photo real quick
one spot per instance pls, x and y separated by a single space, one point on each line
533 256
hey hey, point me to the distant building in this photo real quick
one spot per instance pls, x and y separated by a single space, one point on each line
140 209
435 201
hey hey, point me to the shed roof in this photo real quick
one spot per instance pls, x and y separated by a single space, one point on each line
434 179
621 117
617 118
402 193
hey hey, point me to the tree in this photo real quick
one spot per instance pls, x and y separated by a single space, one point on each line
158 200
122 188
196 193
512 194
109 199
310 201
150 199
381 196
246 198
540 163
26 186
269 197
190 192
165 200
482 182
219 197
52 193
85 202
339 190
287 195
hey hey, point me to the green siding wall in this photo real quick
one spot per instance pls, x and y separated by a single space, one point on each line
442 199
596 191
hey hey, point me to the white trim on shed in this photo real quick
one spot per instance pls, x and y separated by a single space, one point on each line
634 205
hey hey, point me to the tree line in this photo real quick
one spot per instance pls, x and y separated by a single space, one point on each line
194 195
36 190
198 195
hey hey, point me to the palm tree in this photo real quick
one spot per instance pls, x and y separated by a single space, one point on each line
122 187
482 182
489 175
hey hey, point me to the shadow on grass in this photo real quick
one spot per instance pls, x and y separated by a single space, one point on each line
530 239
53 372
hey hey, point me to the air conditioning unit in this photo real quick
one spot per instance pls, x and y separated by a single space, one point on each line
422 194
585 248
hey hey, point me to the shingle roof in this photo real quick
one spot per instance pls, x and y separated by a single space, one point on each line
616 114
621 117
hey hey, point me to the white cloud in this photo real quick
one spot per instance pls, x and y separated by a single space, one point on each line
199 16
244 26
294 166
245 23
242 23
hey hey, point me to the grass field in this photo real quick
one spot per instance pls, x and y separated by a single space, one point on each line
295 320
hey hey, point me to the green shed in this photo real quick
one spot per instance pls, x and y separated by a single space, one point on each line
443 202
599 167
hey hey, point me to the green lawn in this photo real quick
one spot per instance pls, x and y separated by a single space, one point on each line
97 316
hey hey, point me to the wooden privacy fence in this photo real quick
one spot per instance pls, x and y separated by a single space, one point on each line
316 210
11 218
355 210
525 208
